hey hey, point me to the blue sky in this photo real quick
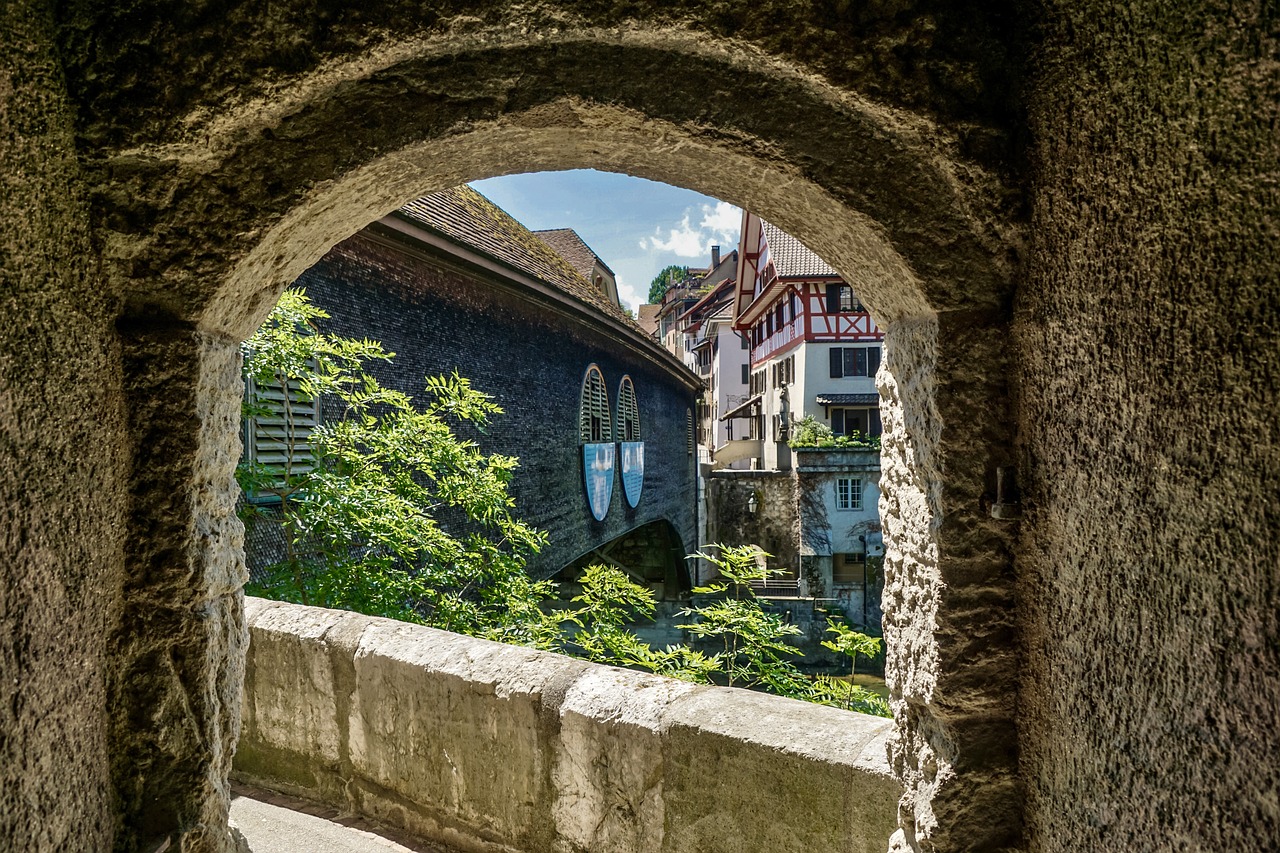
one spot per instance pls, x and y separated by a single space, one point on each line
636 226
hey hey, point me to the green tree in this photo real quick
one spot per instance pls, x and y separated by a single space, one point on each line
610 600
360 516
665 280
845 694
753 648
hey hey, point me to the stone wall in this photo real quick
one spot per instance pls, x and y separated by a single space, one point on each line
775 526
1149 351
497 748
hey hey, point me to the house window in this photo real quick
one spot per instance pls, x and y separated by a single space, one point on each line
841 300
848 493
854 361
595 425
862 421
277 432
848 568
629 412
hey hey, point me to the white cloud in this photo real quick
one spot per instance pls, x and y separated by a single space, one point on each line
683 241
723 221
718 226
630 294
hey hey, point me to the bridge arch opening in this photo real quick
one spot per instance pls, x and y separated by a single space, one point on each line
872 190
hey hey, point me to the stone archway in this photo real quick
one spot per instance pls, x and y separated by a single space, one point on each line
247 196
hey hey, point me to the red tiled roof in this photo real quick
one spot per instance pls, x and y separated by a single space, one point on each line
791 258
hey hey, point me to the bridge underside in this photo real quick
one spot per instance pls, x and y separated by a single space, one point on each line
652 555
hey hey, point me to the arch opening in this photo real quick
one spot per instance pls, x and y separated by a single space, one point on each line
934 275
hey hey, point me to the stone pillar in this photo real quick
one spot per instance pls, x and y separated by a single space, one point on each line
179 650
948 602
62 465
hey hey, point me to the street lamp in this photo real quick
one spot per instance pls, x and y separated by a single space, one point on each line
752 503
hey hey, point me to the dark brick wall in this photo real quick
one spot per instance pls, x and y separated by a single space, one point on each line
438 315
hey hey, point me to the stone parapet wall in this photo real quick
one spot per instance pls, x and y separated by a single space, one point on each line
486 747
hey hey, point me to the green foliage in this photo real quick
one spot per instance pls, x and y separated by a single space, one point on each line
839 693
851 643
611 600
665 280
810 432
361 522
361 514
752 638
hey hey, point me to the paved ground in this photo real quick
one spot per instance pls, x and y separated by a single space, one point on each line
273 823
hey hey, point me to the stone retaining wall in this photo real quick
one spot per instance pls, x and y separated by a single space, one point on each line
487 747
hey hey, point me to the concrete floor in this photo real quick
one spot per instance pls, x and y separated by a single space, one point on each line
272 823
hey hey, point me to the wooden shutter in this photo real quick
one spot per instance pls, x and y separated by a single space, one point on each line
594 422
837 364
873 360
875 428
837 421
629 411
833 299
280 437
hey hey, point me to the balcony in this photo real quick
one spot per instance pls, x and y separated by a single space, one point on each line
736 449
467 744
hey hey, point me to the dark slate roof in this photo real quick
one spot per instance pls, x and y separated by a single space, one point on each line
463 215
791 258
569 245
848 399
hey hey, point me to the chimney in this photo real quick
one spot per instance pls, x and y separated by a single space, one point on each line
715 256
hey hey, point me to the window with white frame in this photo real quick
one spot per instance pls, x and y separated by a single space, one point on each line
848 493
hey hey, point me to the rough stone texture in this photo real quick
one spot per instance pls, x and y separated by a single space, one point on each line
488 747
62 466
1149 564
226 149
775 525
223 148
177 652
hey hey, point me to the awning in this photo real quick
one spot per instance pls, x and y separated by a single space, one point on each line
741 411
848 399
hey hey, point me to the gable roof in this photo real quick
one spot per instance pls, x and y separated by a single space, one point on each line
463 215
569 245
649 318
791 258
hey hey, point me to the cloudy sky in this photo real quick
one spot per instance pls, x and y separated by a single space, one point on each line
638 227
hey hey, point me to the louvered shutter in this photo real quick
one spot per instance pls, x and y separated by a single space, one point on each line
594 422
629 412
280 437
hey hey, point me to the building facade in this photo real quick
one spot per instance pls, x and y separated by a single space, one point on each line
598 414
